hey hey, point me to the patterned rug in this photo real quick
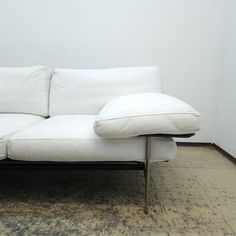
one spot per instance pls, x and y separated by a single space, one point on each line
193 195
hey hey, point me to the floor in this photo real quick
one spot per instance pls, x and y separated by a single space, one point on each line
193 195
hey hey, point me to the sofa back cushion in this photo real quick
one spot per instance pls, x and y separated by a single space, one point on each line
25 90
87 91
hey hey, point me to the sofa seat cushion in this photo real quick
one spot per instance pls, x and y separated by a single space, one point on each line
72 138
12 123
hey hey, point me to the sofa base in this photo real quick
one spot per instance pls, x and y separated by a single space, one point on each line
9 164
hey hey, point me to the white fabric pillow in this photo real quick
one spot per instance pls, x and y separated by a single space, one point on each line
25 90
146 113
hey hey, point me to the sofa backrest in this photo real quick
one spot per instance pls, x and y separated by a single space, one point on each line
87 91
25 90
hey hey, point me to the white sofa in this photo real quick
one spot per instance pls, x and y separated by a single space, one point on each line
81 116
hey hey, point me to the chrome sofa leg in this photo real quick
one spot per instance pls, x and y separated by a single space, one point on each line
146 171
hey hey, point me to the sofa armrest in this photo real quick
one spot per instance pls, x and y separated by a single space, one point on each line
146 114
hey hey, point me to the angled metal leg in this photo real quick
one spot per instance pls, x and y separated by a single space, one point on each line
146 171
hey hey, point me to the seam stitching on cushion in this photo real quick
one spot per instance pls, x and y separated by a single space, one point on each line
106 139
126 117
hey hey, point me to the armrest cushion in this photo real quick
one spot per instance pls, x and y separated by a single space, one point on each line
146 113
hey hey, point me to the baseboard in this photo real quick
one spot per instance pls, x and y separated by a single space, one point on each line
226 154
219 149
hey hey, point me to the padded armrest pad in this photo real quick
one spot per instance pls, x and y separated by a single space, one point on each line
146 113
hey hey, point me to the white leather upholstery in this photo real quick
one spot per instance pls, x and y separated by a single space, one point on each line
87 91
24 90
10 124
146 113
72 138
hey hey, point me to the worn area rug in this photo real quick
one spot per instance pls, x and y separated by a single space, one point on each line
195 194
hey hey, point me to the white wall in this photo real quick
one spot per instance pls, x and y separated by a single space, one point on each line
226 113
183 37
